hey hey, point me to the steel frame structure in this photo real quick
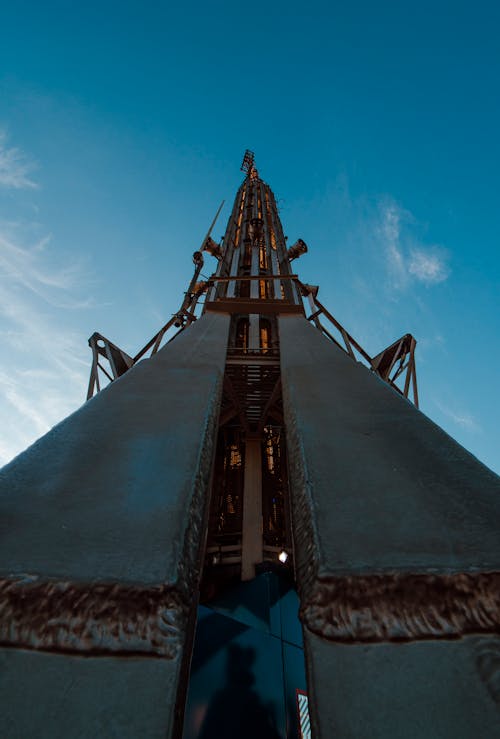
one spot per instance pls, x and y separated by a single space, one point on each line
394 364
254 284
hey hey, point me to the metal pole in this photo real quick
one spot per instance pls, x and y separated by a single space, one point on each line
251 553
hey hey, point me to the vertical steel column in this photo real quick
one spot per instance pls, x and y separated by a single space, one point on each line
254 332
290 289
252 509
281 255
276 270
273 256
254 284
236 239
272 262
231 290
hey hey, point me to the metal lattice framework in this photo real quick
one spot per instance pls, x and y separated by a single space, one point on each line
395 364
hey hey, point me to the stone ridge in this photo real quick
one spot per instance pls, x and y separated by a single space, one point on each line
91 618
403 606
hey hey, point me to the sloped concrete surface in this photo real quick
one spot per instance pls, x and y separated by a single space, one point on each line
105 495
111 503
419 690
54 696
388 488
383 501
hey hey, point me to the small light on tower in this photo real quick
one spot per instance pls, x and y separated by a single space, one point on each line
283 556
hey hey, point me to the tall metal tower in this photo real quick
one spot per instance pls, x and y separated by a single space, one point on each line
254 285
251 448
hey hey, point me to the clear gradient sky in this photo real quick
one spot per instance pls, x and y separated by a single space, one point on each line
123 125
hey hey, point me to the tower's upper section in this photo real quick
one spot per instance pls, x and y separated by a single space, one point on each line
254 273
254 277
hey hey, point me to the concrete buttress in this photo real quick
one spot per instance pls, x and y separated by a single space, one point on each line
102 529
396 531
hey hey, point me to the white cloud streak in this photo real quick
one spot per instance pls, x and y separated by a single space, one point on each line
15 167
28 267
391 233
407 259
44 365
44 368
428 266
459 417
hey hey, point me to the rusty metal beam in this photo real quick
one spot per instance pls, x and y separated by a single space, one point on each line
245 278
244 305
345 335
401 351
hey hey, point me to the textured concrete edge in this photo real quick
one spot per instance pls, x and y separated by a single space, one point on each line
403 606
91 618
305 539
190 562
101 618
314 681
378 607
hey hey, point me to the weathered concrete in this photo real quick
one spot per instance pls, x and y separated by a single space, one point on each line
102 520
389 488
54 696
420 690
395 533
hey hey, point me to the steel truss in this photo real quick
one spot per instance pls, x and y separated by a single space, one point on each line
395 364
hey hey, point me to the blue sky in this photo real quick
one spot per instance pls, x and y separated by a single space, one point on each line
122 127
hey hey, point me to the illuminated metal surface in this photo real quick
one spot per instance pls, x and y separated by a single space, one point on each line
253 277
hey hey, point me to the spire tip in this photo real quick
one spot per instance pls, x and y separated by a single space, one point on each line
248 165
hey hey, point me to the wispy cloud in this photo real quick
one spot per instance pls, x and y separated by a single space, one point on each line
31 268
459 417
391 234
381 250
44 369
428 266
44 364
407 258
15 167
